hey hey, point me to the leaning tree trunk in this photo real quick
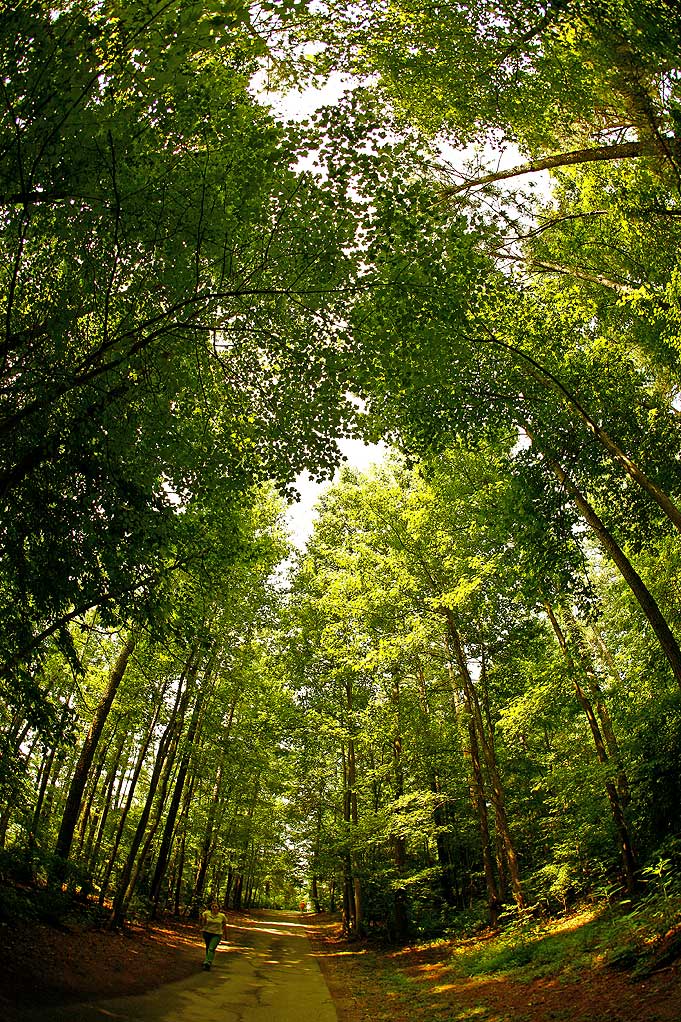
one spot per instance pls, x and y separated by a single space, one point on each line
625 843
576 157
644 597
548 380
496 787
79 779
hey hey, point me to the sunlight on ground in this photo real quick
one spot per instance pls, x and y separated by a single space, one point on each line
535 933
343 954
573 922
188 939
276 928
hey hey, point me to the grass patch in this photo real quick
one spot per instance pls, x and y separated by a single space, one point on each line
637 939
562 970
534 949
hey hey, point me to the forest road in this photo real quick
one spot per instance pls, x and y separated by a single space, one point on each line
264 972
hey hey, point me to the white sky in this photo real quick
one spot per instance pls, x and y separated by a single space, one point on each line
301 516
296 105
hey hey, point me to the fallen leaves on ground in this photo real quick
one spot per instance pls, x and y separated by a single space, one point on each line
423 983
42 965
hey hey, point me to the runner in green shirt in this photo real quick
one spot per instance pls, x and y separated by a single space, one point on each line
214 926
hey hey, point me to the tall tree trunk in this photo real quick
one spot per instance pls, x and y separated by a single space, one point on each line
624 838
179 863
173 808
228 886
238 890
480 802
496 787
79 779
317 846
45 772
478 797
348 900
179 875
314 894
46 775
354 819
398 841
89 797
603 654
208 843
107 801
644 597
444 858
148 823
125 810
162 763
140 865
587 658
439 817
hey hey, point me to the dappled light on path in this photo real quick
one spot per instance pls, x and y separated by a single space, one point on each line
264 972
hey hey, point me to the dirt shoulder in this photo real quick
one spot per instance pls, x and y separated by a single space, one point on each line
44 965
424 984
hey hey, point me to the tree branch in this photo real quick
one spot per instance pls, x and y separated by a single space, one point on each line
617 151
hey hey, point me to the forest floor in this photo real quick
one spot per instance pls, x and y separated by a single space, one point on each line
42 965
47 965
432 982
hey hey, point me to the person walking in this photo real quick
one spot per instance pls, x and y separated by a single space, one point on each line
214 927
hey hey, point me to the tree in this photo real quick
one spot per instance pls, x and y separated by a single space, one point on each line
170 283
560 71
74 798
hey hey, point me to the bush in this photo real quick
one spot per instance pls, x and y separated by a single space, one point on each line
37 886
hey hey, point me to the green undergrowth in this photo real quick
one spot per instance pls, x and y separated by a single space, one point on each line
638 938
36 887
420 982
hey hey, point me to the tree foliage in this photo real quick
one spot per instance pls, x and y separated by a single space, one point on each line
463 696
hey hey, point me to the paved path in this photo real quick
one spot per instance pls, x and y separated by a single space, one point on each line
264 972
